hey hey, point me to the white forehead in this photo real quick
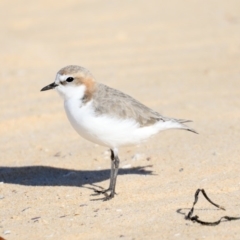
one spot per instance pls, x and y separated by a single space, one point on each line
61 78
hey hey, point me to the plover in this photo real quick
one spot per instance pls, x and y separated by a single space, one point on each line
107 116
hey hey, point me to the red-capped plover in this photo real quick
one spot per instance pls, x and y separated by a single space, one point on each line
107 116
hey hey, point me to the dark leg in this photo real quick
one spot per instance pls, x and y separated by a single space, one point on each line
113 175
112 170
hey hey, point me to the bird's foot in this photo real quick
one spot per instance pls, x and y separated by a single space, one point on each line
108 197
102 191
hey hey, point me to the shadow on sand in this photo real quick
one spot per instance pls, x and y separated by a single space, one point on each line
50 176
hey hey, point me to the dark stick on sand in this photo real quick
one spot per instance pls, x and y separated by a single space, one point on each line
196 218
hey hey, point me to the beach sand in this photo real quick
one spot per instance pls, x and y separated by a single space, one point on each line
180 58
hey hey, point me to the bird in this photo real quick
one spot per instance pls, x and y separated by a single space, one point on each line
107 116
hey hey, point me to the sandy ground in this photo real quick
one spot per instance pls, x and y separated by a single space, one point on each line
179 57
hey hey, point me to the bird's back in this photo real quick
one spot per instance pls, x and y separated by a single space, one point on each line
109 101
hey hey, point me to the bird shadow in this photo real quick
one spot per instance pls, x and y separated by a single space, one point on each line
51 176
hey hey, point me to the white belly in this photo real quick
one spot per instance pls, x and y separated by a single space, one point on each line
105 130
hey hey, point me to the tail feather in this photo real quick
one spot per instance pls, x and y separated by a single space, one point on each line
183 120
175 124
185 127
191 130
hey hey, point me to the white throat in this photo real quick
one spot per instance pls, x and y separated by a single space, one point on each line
73 91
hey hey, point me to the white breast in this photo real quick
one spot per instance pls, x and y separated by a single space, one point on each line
105 130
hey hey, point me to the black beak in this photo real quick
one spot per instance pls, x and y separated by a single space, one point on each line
50 86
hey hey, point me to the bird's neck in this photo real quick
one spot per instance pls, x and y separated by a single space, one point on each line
75 92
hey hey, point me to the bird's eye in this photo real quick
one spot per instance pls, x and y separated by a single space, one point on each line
69 79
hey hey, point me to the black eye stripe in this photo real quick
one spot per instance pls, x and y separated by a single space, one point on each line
69 79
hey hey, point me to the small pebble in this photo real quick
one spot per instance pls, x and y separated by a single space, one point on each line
6 232
137 156
35 218
83 205
127 166
106 152
25 209
58 154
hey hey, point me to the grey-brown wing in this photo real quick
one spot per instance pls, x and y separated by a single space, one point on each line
111 101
